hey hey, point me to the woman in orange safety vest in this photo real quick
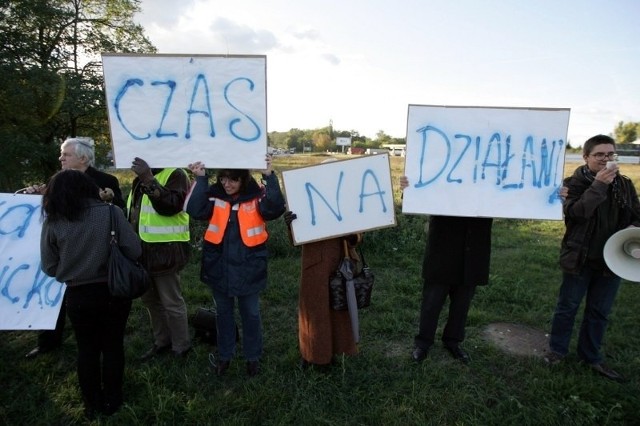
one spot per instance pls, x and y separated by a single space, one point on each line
234 253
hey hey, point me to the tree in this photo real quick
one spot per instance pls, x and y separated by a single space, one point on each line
382 138
318 139
51 78
295 139
321 140
627 132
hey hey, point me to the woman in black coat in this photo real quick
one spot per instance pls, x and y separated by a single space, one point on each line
74 248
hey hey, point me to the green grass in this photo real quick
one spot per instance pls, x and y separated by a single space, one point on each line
380 386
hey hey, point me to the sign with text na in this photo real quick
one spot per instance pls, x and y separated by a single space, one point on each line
172 110
29 299
485 161
340 198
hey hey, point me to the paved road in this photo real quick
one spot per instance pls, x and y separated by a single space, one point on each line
626 159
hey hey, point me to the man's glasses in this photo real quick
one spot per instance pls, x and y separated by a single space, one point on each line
602 155
225 179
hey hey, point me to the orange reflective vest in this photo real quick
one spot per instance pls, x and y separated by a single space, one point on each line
253 229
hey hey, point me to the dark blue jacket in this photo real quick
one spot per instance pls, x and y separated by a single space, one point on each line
231 267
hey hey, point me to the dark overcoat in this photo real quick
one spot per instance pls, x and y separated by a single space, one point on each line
458 251
105 180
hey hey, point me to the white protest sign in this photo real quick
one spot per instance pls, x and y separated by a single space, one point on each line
340 198
172 110
485 161
29 299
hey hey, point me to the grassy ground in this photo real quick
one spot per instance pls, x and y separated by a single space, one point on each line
380 386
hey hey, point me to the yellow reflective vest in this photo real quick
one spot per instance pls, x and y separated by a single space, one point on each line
155 228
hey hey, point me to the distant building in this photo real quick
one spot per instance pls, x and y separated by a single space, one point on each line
355 150
632 148
398 150
371 151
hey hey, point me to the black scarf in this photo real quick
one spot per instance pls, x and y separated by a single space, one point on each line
619 195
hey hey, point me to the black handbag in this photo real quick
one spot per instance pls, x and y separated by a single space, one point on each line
363 283
127 279
204 324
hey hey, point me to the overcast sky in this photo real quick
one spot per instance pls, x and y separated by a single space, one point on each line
360 63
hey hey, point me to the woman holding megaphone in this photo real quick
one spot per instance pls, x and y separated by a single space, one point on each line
599 202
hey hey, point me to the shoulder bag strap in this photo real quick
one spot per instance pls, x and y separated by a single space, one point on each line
361 254
114 225
346 248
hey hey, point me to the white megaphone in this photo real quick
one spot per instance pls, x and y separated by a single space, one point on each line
622 254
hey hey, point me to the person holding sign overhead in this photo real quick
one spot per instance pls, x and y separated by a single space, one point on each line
456 260
234 252
599 202
155 211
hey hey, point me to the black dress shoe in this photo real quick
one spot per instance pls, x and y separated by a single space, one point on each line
222 367
183 353
155 350
607 372
419 354
110 408
304 364
253 368
458 353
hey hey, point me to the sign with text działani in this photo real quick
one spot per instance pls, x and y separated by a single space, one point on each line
485 161
340 198
172 110
29 299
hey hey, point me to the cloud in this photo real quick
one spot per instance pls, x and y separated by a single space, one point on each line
242 37
238 37
309 34
331 58
164 13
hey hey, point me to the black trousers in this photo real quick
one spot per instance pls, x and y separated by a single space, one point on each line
49 340
98 321
433 299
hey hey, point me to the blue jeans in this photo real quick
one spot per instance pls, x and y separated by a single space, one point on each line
249 307
601 292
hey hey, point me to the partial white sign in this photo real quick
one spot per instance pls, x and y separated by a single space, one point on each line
343 141
485 161
340 198
29 299
172 110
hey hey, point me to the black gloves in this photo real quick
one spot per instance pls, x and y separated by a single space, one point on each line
141 168
289 217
